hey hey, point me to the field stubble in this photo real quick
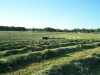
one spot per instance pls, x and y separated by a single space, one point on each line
25 53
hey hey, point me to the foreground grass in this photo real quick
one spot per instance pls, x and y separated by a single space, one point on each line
17 48
34 67
11 62
81 66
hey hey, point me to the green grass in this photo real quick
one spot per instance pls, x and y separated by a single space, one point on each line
25 53
80 63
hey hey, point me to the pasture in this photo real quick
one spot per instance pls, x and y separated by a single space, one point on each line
25 53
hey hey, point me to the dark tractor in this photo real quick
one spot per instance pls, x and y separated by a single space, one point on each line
45 37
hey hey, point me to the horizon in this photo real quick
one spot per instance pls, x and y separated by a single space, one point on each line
58 14
50 27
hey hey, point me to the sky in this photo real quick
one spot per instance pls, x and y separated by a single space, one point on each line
61 14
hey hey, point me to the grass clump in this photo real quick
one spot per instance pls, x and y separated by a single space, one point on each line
74 67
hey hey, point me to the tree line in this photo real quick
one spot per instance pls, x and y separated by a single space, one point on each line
49 29
83 30
7 28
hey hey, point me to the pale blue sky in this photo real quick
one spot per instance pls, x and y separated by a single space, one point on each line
50 13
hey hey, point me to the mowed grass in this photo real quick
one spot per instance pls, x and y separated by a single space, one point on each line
25 53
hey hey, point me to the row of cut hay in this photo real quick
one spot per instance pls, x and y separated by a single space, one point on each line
4 48
40 43
74 67
51 46
24 59
35 48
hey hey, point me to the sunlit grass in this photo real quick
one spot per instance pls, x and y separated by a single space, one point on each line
25 46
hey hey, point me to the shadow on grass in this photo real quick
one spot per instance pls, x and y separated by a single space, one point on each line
24 61
75 67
